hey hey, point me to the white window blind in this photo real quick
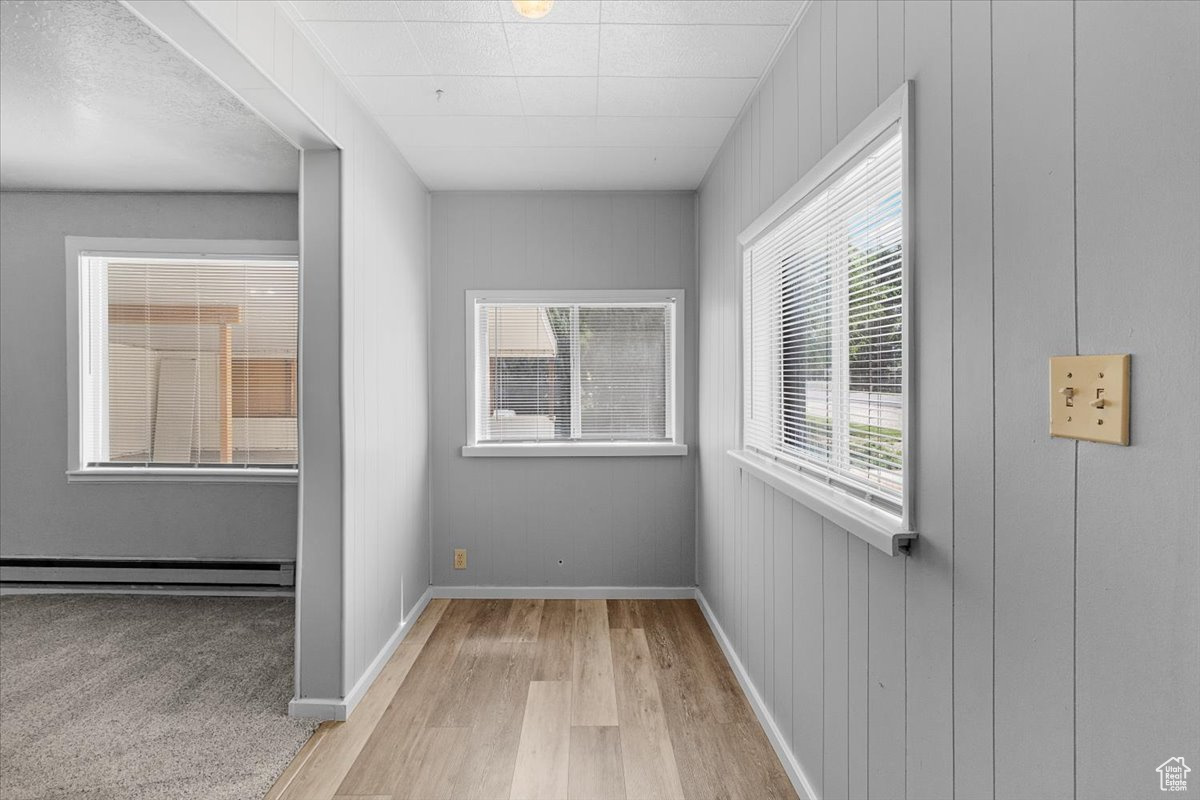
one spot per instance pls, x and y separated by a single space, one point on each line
563 371
823 330
188 362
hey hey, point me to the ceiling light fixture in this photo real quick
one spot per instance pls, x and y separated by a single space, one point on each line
534 9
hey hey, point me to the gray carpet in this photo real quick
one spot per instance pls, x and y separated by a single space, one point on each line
114 697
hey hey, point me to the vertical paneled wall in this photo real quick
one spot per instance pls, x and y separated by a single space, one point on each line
1041 638
558 521
385 373
1137 511
382 368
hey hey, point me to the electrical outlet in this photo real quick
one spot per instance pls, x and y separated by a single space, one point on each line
460 558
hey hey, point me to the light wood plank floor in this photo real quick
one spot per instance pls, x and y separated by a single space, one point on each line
547 700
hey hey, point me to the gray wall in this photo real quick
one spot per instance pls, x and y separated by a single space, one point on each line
385 385
369 564
1041 640
612 521
40 513
319 566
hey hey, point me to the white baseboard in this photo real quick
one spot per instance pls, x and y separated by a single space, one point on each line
325 708
795 772
565 592
380 661
320 708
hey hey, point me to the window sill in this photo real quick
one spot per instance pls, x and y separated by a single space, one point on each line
573 449
175 475
874 526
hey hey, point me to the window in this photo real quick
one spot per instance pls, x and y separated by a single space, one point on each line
824 324
575 373
187 363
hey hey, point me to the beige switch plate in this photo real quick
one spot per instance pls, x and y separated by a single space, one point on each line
1076 384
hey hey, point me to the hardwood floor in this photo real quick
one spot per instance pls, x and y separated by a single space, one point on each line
547 700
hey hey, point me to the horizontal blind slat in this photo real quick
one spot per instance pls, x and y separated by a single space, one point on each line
200 361
823 328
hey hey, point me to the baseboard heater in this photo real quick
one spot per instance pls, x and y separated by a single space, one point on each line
23 570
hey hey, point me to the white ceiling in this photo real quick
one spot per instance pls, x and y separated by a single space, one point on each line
598 94
91 99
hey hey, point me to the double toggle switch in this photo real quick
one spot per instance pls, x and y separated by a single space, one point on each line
1089 398
1069 393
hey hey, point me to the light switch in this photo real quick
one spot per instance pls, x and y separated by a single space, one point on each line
1089 398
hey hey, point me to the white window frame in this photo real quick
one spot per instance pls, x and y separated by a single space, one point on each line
80 247
888 532
675 421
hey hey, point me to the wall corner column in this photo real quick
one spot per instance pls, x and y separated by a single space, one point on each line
319 546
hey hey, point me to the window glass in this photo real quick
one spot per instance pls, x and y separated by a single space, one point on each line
594 371
824 322
190 362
